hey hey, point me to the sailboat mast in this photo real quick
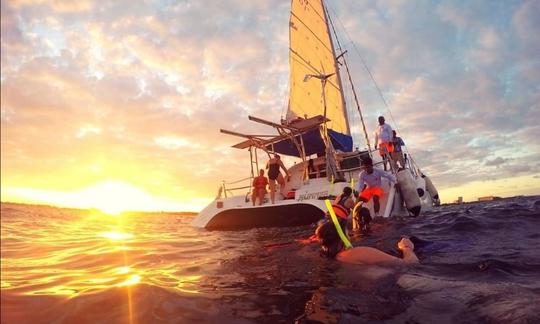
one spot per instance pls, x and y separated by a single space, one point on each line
352 85
336 64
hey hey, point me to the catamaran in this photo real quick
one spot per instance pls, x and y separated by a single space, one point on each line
317 133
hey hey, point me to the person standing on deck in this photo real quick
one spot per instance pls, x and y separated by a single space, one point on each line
383 140
397 155
274 175
370 186
259 188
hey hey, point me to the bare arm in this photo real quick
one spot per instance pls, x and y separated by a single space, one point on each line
367 255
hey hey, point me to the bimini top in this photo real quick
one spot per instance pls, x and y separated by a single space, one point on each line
306 131
313 143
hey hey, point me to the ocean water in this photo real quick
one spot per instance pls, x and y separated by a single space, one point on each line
480 263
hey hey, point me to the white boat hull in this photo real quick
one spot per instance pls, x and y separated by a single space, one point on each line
307 206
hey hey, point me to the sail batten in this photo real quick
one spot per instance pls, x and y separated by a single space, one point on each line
311 53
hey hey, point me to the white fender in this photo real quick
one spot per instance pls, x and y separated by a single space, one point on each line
390 201
420 186
432 190
407 186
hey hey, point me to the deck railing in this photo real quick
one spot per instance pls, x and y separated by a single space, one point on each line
227 190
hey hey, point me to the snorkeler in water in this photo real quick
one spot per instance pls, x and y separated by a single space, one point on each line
333 247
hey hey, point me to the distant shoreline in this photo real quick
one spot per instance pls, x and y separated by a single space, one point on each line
485 201
183 213
191 213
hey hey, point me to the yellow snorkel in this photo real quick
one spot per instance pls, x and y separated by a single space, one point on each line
342 235
358 204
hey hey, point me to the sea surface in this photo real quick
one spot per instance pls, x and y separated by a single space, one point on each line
480 263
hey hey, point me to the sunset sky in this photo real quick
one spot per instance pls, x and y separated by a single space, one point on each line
123 100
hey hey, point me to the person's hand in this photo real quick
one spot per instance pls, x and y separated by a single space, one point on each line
405 244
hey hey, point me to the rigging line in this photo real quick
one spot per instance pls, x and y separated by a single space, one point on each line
306 66
316 11
287 100
364 64
302 61
335 64
350 81
330 103
311 31
369 72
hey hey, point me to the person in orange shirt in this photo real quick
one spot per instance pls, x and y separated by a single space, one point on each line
259 188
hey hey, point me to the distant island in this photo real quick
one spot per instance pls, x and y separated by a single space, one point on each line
460 201
134 212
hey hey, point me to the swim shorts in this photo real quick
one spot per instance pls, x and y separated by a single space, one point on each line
368 193
388 146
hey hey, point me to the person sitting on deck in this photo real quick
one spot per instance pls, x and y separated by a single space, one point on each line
273 165
259 188
333 247
369 184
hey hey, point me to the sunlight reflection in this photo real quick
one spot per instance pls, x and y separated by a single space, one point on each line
123 270
58 291
188 281
132 280
116 236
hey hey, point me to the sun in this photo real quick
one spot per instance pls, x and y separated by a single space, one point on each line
109 196
115 197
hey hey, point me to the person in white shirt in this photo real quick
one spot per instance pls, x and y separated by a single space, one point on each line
370 186
383 140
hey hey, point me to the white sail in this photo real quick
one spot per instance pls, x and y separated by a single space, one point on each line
311 52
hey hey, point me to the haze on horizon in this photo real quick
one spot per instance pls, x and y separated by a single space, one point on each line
119 104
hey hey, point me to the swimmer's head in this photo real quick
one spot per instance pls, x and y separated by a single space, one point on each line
329 239
405 244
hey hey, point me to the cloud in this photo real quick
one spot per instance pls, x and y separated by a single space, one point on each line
56 6
140 90
526 25
495 162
